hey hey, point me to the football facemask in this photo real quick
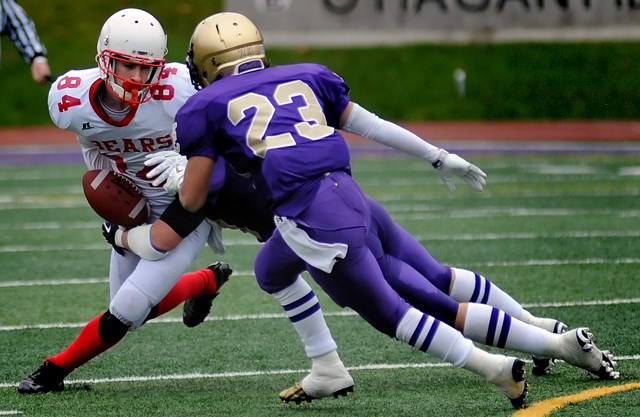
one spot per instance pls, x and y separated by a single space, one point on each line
129 91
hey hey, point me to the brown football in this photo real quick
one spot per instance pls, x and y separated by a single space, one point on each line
115 198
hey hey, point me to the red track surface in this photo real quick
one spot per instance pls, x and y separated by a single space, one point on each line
544 131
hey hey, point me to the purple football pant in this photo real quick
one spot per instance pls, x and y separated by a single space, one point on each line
339 212
409 268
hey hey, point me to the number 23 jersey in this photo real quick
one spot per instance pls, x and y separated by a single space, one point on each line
278 124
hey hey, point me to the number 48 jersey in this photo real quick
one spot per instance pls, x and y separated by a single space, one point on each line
121 145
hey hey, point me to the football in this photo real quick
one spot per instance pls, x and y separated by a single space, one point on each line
114 197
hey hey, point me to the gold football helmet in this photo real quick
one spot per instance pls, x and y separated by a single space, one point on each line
224 44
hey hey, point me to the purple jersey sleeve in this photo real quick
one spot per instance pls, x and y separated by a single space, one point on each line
191 131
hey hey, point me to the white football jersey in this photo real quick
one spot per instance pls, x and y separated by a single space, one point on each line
121 145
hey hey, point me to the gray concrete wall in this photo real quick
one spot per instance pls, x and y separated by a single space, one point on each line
370 22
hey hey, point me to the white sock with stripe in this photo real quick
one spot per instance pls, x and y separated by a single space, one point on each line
434 337
493 327
303 309
446 343
474 288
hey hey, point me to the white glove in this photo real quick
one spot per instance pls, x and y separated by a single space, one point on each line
449 165
214 240
168 168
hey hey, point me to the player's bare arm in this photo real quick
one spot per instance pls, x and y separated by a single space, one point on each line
193 192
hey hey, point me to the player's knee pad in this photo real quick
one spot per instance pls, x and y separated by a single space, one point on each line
131 306
110 329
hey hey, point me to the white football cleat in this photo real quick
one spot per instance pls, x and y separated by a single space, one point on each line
322 382
579 350
512 381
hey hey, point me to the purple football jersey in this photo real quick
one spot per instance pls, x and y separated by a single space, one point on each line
278 124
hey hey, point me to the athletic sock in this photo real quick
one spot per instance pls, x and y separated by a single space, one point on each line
434 337
87 345
192 284
303 309
493 327
474 288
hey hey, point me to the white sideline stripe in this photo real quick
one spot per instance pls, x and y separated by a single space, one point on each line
80 281
388 198
50 226
530 262
517 212
464 236
98 246
42 282
553 262
52 248
10 412
165 320
418 213
530 235
198 375
614 301
253 242
271 316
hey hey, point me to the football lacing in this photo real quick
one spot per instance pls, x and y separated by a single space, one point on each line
131 183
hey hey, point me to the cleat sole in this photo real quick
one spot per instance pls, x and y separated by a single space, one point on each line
518 372
296 394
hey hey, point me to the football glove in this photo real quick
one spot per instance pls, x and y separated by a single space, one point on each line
449 165
109 232
168 169
215 238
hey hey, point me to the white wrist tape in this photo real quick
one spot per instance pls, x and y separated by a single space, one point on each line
117 238
364 123
140 243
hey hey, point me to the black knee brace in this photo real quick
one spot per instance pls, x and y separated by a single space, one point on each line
110 329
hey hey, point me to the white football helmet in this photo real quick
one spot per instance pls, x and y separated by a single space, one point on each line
135 37
224 44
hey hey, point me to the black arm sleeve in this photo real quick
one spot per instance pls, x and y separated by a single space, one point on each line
180 220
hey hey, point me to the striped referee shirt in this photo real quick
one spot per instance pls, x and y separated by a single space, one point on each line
19 27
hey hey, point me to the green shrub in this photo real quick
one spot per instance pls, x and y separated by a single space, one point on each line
506 81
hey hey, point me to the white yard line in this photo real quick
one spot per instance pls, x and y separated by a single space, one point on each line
191 376
198 375
578 234
342 313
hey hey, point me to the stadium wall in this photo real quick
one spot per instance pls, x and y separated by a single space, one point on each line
388 22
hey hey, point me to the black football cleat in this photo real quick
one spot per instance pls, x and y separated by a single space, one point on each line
518 374
543 365
196 309
48 377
